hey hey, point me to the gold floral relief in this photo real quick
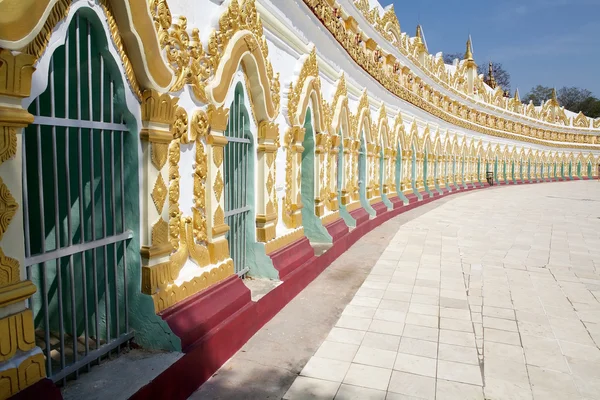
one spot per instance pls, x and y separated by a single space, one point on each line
411 90
219 216
160 233
218 186
8 143
218 155
159 154
8 208
9 270
159 193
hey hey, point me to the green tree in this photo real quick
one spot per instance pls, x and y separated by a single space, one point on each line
537 94
501 75
572 98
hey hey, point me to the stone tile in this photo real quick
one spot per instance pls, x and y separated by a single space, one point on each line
422 320
418 347
459 372
551 380
359 311
394 305
425 299
498 336
349 392
505 390
390 315
381 341
535 329
424 309
450 390
373 293
449 352
324 368
365 301
398 296
457 338
510 352
375 357
500 324
455 313
421 332
368 376
305 388
496 312
387 327
337 351
456 325
576 350
422 387
506 370
353 323
343 335
426 290
415 364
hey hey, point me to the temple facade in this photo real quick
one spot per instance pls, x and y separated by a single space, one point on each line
155 154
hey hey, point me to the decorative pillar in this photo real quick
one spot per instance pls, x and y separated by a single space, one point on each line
431 171
292 213
420 183
158 115
218 247
346 189
21 361
265 201
355 186
321 146
334 150
405 185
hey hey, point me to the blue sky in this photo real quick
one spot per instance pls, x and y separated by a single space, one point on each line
546 42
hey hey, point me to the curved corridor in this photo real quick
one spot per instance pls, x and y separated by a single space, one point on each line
493 293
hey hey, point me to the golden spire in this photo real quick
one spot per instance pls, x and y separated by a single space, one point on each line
419 34
469 52
517 97
554 98
491 81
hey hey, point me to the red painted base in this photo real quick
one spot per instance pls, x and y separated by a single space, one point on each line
216 323
380 208
412 198
337 229
198 315
360 215
290 257
397 202
42 389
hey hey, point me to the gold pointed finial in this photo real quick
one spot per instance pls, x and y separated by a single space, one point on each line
491 81
517 97
469 52
419 34
554 97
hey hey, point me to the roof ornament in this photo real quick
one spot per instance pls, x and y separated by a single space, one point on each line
469 52
491 81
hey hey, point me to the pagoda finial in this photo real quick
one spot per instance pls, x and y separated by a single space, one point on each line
469 52
517 97
554 98
419 34
491 81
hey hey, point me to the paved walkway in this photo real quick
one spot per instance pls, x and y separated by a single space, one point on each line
494 293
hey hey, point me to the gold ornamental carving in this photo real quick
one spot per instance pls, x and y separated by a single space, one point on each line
160 233
8 208
159 193
218 156
159 154
16 333
423 96
218 118
218 186
9 270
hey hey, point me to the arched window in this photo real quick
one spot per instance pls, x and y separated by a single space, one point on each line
80 174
